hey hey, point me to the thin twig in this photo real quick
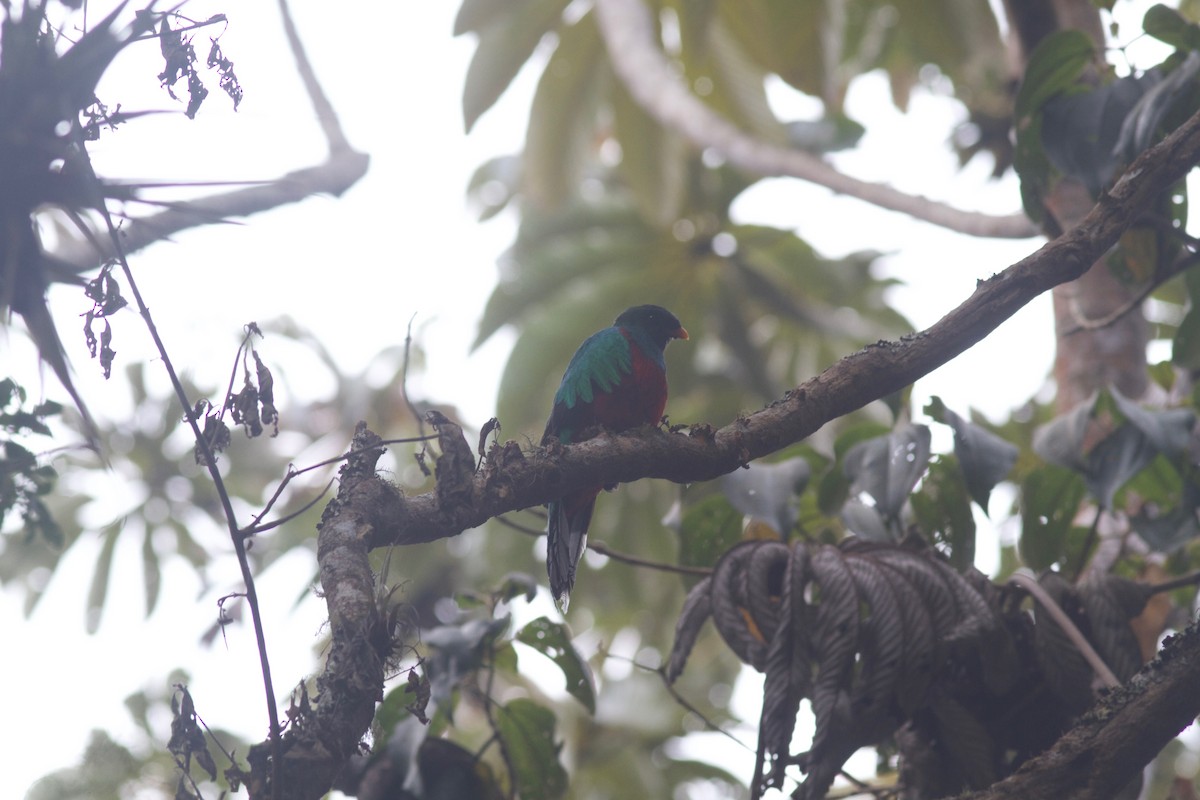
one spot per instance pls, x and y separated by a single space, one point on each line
295 473
680 699
1084 323
1088 542
1191 579
210 461
615 555
326 115
412 409
1030 584
256 529
605 550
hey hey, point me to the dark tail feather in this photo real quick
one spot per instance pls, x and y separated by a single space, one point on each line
566 539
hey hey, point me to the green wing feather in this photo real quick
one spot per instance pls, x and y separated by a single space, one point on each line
599 364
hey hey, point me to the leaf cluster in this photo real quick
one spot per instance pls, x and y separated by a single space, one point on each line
879 636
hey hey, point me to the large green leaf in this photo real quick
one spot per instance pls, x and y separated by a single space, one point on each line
1168 25
506 41
101 574
1054 67
653 160
526 732
1050 497
553 640
561 135
984 457
709 528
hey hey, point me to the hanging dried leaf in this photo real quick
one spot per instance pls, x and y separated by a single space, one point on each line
879 636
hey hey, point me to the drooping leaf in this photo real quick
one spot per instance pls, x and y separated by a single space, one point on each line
1166 533
553 640
888 467
653 160
506 41
767 491
517 584
101 574
561 135
1054 67
1081 129
1109 439
151 570
526 732
866 521
1168 25
457 651
985 458
1167 430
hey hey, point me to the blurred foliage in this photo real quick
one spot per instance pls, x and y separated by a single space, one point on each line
614 211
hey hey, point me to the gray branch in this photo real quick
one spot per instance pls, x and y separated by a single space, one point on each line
628 34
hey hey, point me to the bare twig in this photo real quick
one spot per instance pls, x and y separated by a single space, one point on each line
210 461
1184 262
256 529
1088 542
615 555
680 699
628 34
412 409
1030 584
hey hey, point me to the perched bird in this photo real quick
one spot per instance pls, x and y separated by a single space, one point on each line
616 380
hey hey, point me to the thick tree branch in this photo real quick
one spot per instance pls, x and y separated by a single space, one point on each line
1120 735
317 745
512 479
628 34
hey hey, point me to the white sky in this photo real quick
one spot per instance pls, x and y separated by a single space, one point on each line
354 271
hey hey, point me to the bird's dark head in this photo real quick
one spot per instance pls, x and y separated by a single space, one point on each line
654 323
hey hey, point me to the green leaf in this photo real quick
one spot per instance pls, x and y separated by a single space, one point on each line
1050 496
1168 25
98 592
553 640
526 732
1129 443
151 571
1054 67
1032 166
474 15
1185 347
562 119
943 508
888 467
709 528
505 43
517 584
653 160
985 458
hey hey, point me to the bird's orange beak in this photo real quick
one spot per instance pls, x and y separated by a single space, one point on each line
682 334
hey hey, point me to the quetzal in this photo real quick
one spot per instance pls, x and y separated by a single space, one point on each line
616 380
